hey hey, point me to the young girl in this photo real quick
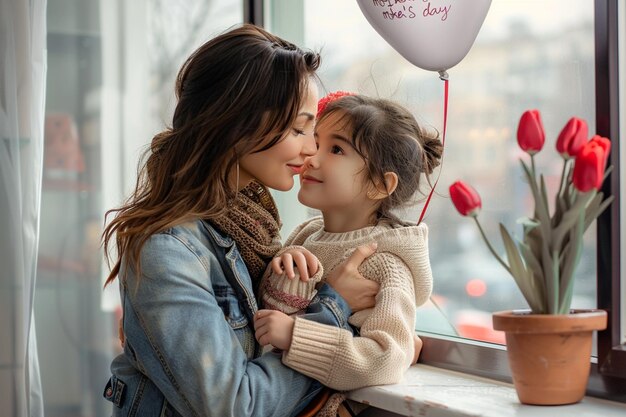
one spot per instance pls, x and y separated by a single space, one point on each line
371 155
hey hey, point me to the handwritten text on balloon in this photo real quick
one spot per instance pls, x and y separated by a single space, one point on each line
397 9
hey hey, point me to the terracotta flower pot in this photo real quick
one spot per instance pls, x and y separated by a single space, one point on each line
549 355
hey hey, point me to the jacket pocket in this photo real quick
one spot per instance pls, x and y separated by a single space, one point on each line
115 391
228 302
236 318
126 395
137 396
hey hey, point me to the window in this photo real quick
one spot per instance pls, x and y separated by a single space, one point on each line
111 66
111 70
560 58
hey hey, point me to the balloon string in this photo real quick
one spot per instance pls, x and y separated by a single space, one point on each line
443 143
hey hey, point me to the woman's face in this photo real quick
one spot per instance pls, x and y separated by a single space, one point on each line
275 167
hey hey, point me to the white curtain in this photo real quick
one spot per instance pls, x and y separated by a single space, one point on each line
22 98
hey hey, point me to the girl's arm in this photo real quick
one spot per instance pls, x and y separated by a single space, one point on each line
344 282
279 291
381 354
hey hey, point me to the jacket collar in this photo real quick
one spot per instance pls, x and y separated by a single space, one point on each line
222 240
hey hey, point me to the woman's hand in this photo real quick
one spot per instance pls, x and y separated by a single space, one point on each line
305 261
120 331
358 292
274 328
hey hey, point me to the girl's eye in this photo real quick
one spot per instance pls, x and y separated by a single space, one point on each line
336 150
317 146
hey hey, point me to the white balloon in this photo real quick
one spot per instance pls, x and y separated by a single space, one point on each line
434 35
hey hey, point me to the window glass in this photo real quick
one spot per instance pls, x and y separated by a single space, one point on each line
110 82
528 55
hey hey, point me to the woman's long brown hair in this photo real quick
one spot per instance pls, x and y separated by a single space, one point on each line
237 94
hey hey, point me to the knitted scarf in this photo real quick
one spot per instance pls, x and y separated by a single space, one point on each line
252 221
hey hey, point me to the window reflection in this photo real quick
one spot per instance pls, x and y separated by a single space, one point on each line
110 83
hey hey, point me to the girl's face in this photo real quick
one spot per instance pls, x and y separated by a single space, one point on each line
275 167
333 180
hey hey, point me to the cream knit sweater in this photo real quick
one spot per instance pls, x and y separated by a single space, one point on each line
384 350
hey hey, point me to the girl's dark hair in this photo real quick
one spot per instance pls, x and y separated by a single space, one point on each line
389 139
237 94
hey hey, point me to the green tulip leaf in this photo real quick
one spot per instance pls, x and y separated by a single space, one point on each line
534 239
553 301
527 222
528 225
531 183
568 265
551 281
544 195
521 275
569 220
533 264
595 202
593 213
559 207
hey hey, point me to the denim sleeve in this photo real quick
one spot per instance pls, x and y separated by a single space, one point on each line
328 307
182 342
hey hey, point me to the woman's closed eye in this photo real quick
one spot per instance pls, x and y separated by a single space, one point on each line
298 132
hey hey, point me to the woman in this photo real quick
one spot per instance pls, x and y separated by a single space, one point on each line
196 235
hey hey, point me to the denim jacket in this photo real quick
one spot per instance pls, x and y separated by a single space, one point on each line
189 334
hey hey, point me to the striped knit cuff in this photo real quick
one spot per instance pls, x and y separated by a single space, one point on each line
313 348
288 295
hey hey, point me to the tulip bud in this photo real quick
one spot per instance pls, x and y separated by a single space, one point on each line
590 163
572 138
530 133
605 144
465 199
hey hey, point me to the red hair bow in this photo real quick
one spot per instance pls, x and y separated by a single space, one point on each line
323 102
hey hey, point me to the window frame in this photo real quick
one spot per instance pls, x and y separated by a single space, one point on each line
608 370
253 12
611 352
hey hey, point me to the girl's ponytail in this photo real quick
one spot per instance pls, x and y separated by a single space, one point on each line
433 149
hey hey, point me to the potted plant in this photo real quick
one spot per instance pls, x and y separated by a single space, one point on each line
549 346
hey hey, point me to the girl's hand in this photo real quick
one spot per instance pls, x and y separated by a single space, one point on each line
305 261
273 328
359 293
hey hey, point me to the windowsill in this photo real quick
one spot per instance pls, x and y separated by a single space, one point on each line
430 391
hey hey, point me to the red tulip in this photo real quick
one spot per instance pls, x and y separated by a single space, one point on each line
589 165
465 199
572 138
530 133
604 143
